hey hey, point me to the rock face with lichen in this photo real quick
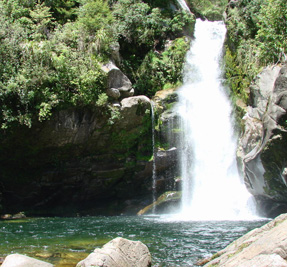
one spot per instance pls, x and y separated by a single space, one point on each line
119 252
261 247
263 144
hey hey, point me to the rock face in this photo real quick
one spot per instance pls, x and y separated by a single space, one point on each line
119 252
262 247
18 260
263 145
87 159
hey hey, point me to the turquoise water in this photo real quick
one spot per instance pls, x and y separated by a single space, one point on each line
65 241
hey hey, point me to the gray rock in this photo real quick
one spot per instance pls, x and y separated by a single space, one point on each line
133 109
119 85
18 260
119 252
261 247
113 92
262 146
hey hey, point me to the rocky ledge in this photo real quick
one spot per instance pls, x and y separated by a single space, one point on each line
261 247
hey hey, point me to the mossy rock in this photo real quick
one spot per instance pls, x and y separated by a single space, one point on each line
165 203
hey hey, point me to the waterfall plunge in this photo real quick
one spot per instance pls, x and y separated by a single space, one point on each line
212 188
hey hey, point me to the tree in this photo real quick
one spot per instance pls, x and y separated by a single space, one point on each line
272 33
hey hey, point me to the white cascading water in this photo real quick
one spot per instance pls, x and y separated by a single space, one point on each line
183 5
154 158
212 187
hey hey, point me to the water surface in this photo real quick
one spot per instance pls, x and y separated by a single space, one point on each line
65 241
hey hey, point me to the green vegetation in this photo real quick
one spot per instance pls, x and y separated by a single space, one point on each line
162 70
51 52
257 32
210 9
44 65
142 34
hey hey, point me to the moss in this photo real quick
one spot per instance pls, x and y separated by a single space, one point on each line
164 198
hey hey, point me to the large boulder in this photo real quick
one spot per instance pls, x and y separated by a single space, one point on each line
18 260
119 252
261 247
119 85
263 144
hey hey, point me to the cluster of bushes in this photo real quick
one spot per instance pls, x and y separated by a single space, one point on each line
51 52
210 9
257 34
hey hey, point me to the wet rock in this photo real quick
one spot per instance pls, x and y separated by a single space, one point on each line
166 203
18 260
119 252
20 215
261 247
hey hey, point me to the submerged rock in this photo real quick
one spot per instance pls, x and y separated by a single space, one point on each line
261 247
119 252
263 144
18 260
166 203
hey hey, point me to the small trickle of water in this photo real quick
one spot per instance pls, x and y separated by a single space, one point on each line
212 187
183 5
154 158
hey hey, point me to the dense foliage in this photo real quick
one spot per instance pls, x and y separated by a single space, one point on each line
143 32
210 9
51 52
257 34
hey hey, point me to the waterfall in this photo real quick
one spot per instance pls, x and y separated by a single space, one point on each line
212 187
154 158
183 5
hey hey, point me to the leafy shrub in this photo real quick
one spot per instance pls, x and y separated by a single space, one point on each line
257 33
159 69
43 69
272 33
210 9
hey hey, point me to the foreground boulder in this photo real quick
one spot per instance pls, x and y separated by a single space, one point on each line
18 260
261 247
262 147
119 252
